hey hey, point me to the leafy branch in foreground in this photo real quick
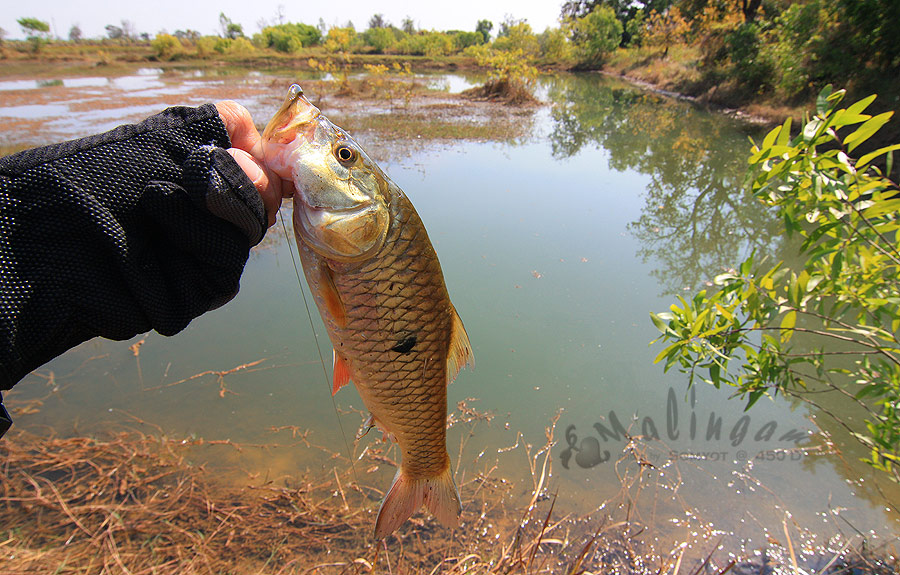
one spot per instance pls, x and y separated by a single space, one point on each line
842 301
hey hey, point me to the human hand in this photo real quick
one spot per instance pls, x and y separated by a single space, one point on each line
248 154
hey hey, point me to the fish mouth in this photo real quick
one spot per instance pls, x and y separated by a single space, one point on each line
297 117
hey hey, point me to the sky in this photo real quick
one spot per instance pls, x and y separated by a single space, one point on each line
153 16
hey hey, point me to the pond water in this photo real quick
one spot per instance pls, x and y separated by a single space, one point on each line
555 247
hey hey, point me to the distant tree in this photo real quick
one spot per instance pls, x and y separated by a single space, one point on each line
378 21
509 23
75 33
230 30
2 35
289 37
340 39
749 9
128 30
624 10
666 29
280 14
114 32
517 35
32 27
189 34
465 39
554 45
485 27
37 32
596 35
575 9
381 39
634 29
408 25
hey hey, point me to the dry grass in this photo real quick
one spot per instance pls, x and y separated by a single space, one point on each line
134 503
505 91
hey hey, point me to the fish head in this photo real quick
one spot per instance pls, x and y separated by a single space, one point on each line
341 205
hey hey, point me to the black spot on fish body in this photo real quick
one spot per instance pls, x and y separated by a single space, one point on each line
405 345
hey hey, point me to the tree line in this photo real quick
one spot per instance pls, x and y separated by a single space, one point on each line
784 48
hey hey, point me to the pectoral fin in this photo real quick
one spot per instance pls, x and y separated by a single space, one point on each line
460 354
331 296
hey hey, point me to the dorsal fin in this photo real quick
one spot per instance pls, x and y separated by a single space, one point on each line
460 353
341 374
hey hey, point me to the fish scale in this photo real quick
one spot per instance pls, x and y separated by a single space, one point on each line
370 333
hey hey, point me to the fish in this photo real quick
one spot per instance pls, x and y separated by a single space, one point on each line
379 288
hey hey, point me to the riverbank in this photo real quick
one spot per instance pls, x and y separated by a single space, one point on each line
677 73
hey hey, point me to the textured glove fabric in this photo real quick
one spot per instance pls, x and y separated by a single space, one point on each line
144 227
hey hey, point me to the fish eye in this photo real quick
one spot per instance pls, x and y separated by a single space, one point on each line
345 154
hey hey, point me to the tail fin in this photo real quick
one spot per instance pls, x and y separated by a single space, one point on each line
406 496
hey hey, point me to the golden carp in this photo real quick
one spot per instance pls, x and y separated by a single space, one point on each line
378 285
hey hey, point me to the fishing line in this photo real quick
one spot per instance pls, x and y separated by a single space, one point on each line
318 347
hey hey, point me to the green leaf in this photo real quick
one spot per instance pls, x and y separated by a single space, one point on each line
811 129
770 138
754 397
670 350
822 99
784 137
881 208
864 161
853 114
870 389
660 324
837 264
865 131
787 325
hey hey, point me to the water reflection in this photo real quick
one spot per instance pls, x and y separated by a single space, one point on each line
697 215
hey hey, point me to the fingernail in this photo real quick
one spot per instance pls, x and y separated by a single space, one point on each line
248 164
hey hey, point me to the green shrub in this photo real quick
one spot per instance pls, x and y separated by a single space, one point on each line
839 296
289 37
381 39
596 35
340 39
166 46
750 67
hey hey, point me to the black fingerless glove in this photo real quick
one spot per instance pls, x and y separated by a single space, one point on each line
144 227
